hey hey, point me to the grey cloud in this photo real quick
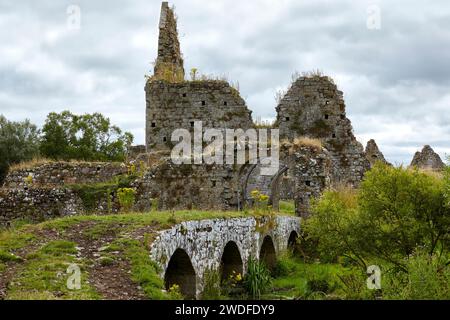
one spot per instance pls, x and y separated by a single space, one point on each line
395 80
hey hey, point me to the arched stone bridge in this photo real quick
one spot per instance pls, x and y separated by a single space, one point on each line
188 249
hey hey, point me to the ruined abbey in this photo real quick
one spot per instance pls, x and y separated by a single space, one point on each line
318 150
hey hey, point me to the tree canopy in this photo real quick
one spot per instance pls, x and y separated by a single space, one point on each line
87 137
19 141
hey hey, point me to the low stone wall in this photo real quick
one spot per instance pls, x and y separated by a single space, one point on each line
37 205
54 174
40 204
205 241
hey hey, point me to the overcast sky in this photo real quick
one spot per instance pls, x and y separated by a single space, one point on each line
395 74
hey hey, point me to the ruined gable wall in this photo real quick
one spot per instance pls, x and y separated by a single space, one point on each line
427 159
373 154
314 107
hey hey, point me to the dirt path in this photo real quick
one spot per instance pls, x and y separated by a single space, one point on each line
111 281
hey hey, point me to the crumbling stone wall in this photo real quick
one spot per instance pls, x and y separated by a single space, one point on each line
37 205
44 203
314 107
310 172
135 152
189 187
173 103
427 159
373 154
53 174
173 106
169 54
57 189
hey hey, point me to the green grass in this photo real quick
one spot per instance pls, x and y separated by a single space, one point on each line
44 275
130 221
299 280
287 207
7 257
15 239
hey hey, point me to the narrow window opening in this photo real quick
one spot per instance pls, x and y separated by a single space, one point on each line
203 103
164 139
225 103
184 95
327 116
287 118
153 124
308 183
192 123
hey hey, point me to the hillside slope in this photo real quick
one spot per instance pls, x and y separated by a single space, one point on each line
112 253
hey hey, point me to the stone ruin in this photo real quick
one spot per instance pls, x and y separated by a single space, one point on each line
373 154
427 159
55 189
313 107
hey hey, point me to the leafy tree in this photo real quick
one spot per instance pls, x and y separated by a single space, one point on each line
332 226
19 141
400 210
86 137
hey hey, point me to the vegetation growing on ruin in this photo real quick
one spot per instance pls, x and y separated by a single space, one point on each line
92 193
299 142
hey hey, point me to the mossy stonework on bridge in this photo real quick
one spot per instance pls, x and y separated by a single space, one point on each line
187 250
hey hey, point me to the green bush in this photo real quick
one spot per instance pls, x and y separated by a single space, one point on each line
428 277
126 198
395 210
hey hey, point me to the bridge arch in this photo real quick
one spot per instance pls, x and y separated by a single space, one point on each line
231 261
181 272
267 253
292 241
274 196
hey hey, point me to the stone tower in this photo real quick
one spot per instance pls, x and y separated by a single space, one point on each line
169 54
175 103
314 107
